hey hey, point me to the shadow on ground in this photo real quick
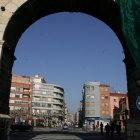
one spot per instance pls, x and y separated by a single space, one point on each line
62 135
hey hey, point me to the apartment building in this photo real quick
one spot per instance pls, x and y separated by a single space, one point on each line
119 107
96 103
76 119
105 101
65 112
70 119
20 98
47 102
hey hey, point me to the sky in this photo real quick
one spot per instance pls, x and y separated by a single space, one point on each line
70 49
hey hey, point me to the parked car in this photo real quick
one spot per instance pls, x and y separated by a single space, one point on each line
76 125
65 126
22 126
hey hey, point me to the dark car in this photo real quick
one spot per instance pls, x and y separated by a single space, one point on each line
22 126
65 126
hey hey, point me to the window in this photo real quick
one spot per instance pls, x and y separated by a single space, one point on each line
49 105
49 99
90 104
103 112
17 96
44 92
13 88
12 95
87 96
103 104
25 96
21 89
106 104
36 99
90 112
25 108
11 101
26 89
90 96
43 105
36 104
25 102
17 108
92 88
18 89
102 97
87 89
115 100
107 112
106 89
18 102
106 97
11 107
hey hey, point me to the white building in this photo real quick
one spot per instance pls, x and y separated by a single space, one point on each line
96 103
47 102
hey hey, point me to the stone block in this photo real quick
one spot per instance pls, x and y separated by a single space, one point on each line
4 2
133 129
19 2
2 27
1 35
11 7
1 13
4 126
4 20
6 14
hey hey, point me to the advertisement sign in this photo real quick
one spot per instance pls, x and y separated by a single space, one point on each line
138 102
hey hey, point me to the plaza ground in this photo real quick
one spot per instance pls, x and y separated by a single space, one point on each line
60 134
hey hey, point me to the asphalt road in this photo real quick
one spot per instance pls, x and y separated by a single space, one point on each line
59 134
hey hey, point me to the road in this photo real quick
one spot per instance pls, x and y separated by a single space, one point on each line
59 134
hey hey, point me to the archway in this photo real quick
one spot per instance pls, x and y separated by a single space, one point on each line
19 19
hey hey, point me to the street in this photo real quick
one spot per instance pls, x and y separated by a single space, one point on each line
59 134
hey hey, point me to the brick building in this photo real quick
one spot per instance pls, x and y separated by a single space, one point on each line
20 98
119 107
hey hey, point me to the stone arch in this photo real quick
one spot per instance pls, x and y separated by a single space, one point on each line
17 15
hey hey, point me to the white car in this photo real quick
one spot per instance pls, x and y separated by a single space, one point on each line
76 125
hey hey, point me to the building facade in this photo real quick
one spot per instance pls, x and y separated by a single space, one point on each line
31 98
65 112
119 107
47 102
96 103
20 98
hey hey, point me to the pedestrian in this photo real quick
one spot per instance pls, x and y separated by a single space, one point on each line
118 128
107 129
97 126
112 127
93 127
101 128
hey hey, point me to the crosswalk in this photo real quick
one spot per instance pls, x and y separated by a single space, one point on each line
39 136
56 137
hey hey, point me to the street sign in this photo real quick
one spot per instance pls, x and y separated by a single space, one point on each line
138 102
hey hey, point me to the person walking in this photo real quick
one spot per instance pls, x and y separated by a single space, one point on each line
118 128
112 127
101 128
107 129
93 127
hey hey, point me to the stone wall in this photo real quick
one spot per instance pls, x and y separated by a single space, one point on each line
7 9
